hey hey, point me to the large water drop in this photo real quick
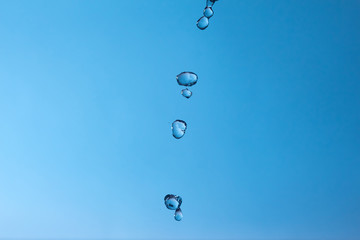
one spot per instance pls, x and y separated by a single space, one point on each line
178 128
172 201
202 23
186 93
187 79
178 214
208 12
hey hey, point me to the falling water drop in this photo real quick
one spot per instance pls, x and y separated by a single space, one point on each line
178 128
172 201
186 93
202 23
178 214
208 12
187 79
210 3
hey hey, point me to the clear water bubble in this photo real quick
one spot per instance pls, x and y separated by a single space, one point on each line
208 12
187 79
202 23
178 128
172 201
186 93
178 214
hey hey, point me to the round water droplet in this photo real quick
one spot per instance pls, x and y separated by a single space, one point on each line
186 93
208 12
178 214
187 79
172 201
178 128
202 23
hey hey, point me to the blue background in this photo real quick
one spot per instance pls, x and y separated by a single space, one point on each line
88 94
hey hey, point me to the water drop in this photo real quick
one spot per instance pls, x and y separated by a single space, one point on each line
186 93
172 201
208 12
178 128
202 23
178 214
210 3
187 79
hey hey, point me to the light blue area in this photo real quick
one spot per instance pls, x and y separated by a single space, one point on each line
88 93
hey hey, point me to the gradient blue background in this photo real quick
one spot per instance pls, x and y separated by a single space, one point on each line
88 94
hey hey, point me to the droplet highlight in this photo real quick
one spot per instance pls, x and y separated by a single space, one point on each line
178 214
178 128
202 23
187 79
186 93
208 12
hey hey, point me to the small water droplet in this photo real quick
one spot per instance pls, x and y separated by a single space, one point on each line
186 93
208 12
178 128
178 214
210 3
187 79
202 23
172 201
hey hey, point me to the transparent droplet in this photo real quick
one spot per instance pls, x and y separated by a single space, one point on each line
186 93
202 23
210 3
187 79
172 201
178 214
208 12
178 128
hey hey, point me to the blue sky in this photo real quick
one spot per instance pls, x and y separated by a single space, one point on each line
88 94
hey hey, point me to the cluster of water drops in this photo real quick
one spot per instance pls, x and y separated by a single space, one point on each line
178 127
173 202
186 79
203 22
